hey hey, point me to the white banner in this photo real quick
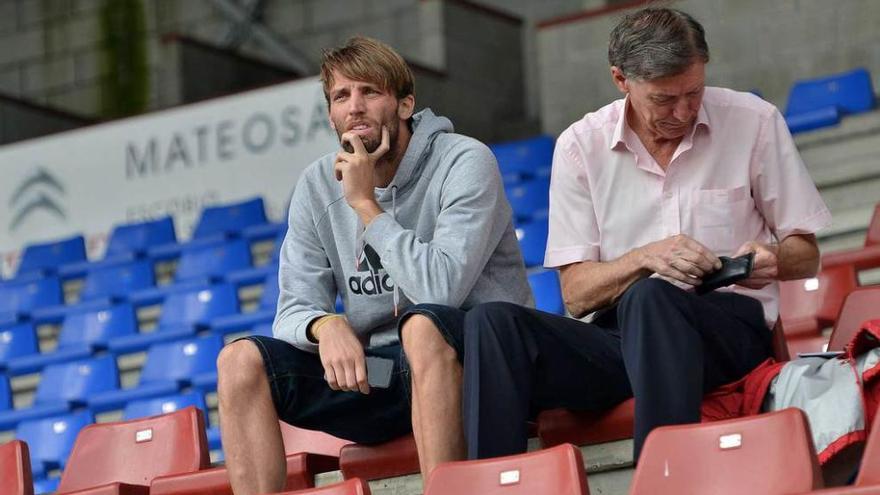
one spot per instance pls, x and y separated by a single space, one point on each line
173 162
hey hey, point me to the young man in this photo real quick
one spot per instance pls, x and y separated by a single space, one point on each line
407 212
646 194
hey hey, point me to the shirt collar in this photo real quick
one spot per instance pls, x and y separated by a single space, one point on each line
619 135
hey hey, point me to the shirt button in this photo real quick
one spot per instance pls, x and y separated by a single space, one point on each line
667 195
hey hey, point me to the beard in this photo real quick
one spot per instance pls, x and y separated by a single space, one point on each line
371 143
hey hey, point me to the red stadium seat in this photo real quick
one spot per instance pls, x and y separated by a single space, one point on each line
370 462
558 470
124 457
863 258
869 470
806 306
860 305
354 486
308 453
769 454
15 469
557 426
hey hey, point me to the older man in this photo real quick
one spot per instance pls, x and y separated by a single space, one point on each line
646 194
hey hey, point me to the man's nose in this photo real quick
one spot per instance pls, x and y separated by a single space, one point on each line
356 103
682 110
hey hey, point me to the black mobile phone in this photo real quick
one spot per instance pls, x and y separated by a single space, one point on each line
732 270
379 371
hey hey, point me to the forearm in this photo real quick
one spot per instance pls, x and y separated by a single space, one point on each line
798 257
592 285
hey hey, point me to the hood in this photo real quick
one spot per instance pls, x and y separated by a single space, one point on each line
426 126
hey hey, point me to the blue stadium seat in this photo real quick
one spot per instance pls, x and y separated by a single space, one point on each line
525 158
65 386
17 341
264 329
137 238
46 485
266 231
183 314
265 313
814 119
251 276
200 263
212 261
849 92
82 334
45 258
533 241
20 298
165 404
50 439
169 367
230 220
117 281
548 294
5 393
530 199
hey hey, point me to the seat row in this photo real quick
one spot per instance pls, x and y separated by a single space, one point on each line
769 453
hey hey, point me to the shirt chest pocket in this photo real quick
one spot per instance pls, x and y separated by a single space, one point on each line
720 216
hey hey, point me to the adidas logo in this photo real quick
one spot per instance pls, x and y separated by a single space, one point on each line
372 283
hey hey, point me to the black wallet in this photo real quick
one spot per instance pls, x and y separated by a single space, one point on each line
732 270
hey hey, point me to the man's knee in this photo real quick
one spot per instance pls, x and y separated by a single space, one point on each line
646 293
423 343
240 368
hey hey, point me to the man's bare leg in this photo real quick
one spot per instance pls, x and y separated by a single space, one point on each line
436 386
252 442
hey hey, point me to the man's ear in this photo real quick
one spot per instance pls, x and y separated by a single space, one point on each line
406 107
619 79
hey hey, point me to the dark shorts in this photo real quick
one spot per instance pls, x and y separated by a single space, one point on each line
303 398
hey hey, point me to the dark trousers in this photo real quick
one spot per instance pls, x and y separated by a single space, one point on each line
662 345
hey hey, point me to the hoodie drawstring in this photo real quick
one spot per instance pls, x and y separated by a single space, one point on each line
394 217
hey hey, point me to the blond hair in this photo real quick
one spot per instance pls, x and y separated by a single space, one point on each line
368 60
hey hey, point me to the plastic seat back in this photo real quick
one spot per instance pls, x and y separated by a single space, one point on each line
15 469
860 305
137 451
298 440
770 454
872 238
199 306
850 92
51 439
181 360
137 238
547 292
269 297
530 199
118 280
18 340
96 328
5 393
213 260
74 382
22 297
558 470
818 298
531 157
48 256
230 219
533 241
163 405
869 471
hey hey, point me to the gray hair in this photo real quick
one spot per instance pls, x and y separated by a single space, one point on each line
657 42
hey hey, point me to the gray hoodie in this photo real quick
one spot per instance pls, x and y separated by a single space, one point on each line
446 237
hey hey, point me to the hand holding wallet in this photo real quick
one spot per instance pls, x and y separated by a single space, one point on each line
732 270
